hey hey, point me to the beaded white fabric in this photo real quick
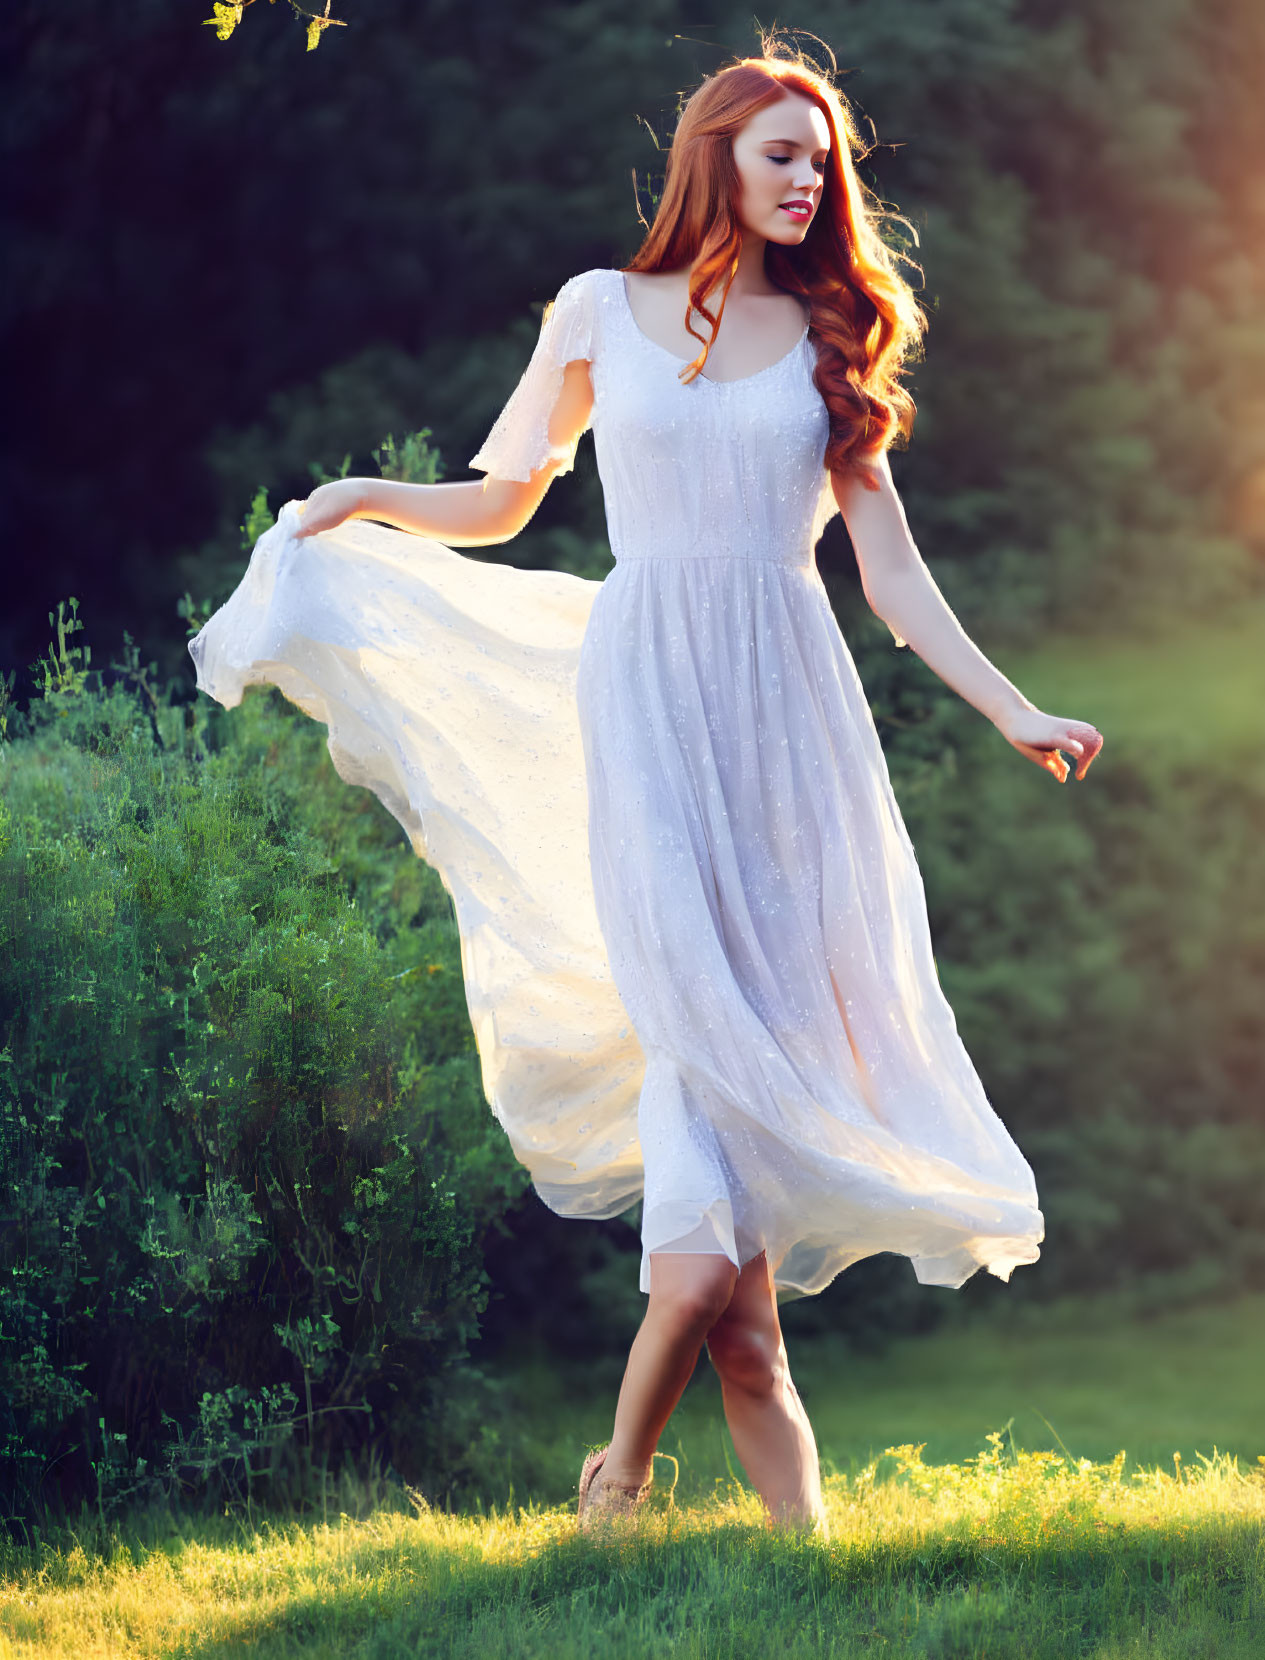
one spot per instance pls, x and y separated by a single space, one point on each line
694 934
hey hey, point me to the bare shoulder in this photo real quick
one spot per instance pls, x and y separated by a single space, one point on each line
658 279
657 293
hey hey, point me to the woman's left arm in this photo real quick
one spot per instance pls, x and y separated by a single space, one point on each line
901 590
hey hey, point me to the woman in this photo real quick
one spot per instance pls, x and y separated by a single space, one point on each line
693 930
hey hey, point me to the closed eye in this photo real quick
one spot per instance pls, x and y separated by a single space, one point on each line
818 166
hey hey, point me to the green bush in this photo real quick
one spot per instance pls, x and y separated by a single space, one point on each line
245 1157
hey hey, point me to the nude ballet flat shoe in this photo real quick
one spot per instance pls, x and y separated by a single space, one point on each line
611 1498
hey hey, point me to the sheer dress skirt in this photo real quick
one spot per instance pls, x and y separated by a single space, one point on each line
806 1091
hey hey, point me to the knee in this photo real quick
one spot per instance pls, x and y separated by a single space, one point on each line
692 1304
748 1357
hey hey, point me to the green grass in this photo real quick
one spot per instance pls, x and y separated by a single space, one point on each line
982 1541
1028 1555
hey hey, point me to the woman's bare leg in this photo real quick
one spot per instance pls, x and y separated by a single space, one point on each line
688 1294
770 1429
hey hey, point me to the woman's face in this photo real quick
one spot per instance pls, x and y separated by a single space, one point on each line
781 158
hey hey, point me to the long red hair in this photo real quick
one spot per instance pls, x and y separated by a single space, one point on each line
863 316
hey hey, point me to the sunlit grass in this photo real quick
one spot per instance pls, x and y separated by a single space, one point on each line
1008 1553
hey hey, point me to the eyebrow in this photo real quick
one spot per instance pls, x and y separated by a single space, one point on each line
821 150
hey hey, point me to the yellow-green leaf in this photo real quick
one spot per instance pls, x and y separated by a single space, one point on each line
228 14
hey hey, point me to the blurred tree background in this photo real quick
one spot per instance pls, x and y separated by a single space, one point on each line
230 259
236 266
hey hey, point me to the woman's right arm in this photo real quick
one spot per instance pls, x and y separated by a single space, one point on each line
479 513
462 515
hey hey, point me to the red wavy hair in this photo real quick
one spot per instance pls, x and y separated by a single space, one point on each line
863 316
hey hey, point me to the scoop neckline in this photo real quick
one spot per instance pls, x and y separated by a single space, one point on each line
738 380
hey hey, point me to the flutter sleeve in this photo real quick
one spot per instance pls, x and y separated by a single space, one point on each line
518 444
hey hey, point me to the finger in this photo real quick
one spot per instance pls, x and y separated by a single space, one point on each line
1093 743
1049 760
1078 739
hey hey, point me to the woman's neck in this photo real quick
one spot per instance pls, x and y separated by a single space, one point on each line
751 277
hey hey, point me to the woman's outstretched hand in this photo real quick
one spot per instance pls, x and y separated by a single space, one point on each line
1040 737
328 506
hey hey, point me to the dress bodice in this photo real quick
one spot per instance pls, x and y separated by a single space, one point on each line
712 469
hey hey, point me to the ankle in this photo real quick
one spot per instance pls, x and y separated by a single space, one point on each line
624 1472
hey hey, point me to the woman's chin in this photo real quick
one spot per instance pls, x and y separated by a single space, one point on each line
788 230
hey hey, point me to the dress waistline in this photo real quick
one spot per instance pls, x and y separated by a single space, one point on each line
803 562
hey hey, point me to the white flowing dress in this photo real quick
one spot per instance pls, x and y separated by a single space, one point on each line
694 935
